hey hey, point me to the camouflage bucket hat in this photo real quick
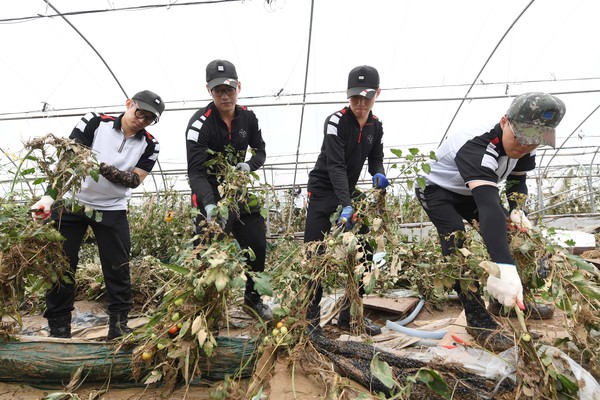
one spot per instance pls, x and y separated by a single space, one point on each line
534 117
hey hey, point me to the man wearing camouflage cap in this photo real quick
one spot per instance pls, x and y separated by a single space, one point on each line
463 184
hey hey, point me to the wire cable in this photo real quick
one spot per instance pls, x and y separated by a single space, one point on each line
482 68
89 44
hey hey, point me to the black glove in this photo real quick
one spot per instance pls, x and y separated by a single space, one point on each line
115 175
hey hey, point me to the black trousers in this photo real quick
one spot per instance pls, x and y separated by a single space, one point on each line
446 210
114 246
250 231
318 212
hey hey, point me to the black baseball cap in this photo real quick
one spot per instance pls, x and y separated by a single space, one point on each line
149 101
363 81
221 72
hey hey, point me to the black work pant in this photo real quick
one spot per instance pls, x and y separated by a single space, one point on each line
318 212
446 210
114 246
250 232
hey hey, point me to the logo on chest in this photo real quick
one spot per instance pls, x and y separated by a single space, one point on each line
243 133
370 139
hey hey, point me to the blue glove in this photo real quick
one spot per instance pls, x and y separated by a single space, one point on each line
380 181
244 167
347 217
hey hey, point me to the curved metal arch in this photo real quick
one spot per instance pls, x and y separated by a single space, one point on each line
89 44
566 140
482 68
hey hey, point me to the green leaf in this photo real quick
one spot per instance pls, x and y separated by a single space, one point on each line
27 171
262 284
397 152
581 263
52 192
569 386
434 382
382 371
421 182
414 151
176 268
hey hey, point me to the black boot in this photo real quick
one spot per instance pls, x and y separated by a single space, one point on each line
345 323
313 319
60 326
481 325
117 325
254 306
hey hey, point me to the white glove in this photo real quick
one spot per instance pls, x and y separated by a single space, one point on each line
209 209
42 208
519 218
506 288
244 167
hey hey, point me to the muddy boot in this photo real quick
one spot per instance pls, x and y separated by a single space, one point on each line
117 325
60 327
345 322
481 325
313 319
532 310
254 306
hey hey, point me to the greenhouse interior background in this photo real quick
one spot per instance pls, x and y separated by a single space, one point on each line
444 66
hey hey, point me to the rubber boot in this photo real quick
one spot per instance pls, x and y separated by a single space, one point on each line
254 306
60 326
313 318
481 325
117 325
345 321
313 312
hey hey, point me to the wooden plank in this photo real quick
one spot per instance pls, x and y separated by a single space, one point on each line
396 305
595 261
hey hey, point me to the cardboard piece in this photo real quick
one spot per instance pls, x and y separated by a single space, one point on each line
396 305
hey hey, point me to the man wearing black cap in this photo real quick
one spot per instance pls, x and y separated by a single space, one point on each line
127 153
223 123
463 184
352 135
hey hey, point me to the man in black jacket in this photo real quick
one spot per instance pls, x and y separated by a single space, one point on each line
351 136
223 123
463 184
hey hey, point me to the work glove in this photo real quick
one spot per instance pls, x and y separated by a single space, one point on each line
519 219
347 217
506 287
380 181
244 167
42 208
210 210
